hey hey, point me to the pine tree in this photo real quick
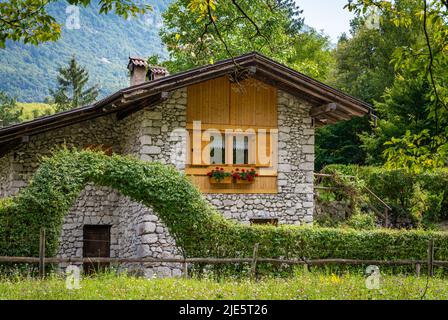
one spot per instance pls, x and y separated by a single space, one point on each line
70 92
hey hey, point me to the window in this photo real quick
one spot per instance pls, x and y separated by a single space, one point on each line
240 150
217 149
107 149
271 222
96 242
228 147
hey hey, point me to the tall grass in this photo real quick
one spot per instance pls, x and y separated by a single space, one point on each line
303 286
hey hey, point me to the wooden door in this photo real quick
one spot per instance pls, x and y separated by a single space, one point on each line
96 244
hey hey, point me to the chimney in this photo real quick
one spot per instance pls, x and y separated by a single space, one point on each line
156 72
138 68
141 72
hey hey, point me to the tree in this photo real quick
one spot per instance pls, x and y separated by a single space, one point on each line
10 113
71 92
196 36
340 143
423 65
312 54
403 110
29 21
363 69
271 27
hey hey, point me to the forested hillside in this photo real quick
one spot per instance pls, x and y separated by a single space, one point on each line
102 44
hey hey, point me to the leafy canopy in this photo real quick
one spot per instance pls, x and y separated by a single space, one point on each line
29 21
201 32
400 66
424 62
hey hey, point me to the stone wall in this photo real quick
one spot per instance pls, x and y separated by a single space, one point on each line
5 176
24 159
146 236
293 204
147 134
331 213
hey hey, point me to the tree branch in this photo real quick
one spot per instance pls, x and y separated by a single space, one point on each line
431 61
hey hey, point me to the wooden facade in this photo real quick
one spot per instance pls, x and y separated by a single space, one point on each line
246 109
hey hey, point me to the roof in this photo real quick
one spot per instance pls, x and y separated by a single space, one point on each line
153 92
158 70
136 61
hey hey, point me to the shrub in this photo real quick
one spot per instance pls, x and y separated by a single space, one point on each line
402 190
198 229
361 222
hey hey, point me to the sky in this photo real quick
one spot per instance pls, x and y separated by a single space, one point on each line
326 15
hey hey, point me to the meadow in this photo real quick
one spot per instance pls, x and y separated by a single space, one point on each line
302 286
32 110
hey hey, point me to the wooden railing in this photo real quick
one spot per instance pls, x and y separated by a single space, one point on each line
386 208
42 260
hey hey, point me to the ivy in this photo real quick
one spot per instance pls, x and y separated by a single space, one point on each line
198 228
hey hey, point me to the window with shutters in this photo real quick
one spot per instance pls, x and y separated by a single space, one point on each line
232 126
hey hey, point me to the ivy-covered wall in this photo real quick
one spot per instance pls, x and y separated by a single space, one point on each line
197 227
136 230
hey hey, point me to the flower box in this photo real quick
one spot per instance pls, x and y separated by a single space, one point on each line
219 176
244 176
244 181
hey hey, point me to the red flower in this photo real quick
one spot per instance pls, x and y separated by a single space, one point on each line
243 170
256 174
237 169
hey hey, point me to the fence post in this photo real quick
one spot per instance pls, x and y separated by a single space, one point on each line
185 269
417 269
254 262
306 268
386 217
431 258
42 253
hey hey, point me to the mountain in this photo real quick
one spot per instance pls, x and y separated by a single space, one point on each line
102 45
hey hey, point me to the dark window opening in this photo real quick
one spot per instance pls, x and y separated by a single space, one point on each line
272 222
96 244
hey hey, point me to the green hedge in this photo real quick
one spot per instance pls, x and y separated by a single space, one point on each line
199 230
407 193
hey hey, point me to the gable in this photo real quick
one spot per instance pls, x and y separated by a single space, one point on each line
247 102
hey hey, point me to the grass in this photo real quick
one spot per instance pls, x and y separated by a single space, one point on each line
303 286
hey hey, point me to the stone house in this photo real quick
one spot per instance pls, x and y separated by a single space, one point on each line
237 114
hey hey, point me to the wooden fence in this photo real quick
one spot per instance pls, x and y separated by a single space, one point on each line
42 260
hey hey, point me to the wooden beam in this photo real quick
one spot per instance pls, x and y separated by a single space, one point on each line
319 122
312 86
332 118
323 110
145 103
288 89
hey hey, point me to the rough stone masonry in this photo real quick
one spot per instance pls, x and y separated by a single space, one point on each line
136 230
